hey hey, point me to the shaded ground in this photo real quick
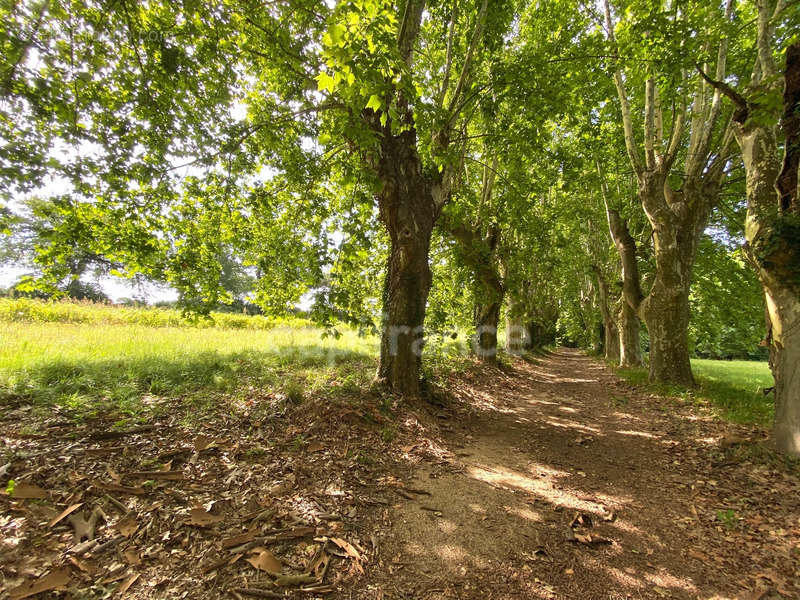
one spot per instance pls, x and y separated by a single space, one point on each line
679 507
546 479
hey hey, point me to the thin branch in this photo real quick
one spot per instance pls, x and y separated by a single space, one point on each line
738 99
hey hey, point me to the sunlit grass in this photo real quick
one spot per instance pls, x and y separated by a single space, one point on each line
735 388
98 368
88 370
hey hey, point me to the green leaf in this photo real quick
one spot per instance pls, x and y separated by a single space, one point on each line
337 33
375 102
325 82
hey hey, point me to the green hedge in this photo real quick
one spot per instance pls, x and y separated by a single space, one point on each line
27 310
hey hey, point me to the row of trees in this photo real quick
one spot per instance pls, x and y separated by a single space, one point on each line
562 163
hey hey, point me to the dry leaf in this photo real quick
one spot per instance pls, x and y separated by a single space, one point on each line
166 475
122 489
113 474
84 528
581 520
54 580
83 566
315 447
24 491
266 561
132 557
347 547
127 525
202 518
68 511
203 442
295 533
129 581
238 540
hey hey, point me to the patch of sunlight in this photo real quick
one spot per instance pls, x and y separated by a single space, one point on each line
643 434
481 510
565 424
457 556
625 526
667 580
625 416
624 578
446 526
569 409
572 380
524 513
545 402
543 487
415 548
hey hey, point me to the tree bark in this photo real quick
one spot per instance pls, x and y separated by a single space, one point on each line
628 320
772 230
629 337
487 318
665 310
479 251
611 333
408 210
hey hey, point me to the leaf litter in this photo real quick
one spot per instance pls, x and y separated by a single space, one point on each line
304 502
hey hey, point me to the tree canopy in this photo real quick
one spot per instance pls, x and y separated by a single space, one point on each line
559 171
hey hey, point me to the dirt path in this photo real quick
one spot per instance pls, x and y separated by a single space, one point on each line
674 512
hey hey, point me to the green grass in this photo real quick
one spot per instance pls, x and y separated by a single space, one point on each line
734 388
26 310
93 360
124 369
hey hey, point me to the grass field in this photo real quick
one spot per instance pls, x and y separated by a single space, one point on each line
90 360
734 388
113 362
91 369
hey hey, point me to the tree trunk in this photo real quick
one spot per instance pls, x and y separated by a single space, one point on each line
784 312
665 310
487 318
610 331
772 231
487 312
629 342
408 211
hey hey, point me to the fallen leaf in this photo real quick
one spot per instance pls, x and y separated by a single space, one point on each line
53 580
266 561
203 442
315 447
84 528
127 525
166 475
67 511
347 547
129 581
202 518
697 554
83 566
25 491
581 520
122 489
238 540
295 533
132 557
